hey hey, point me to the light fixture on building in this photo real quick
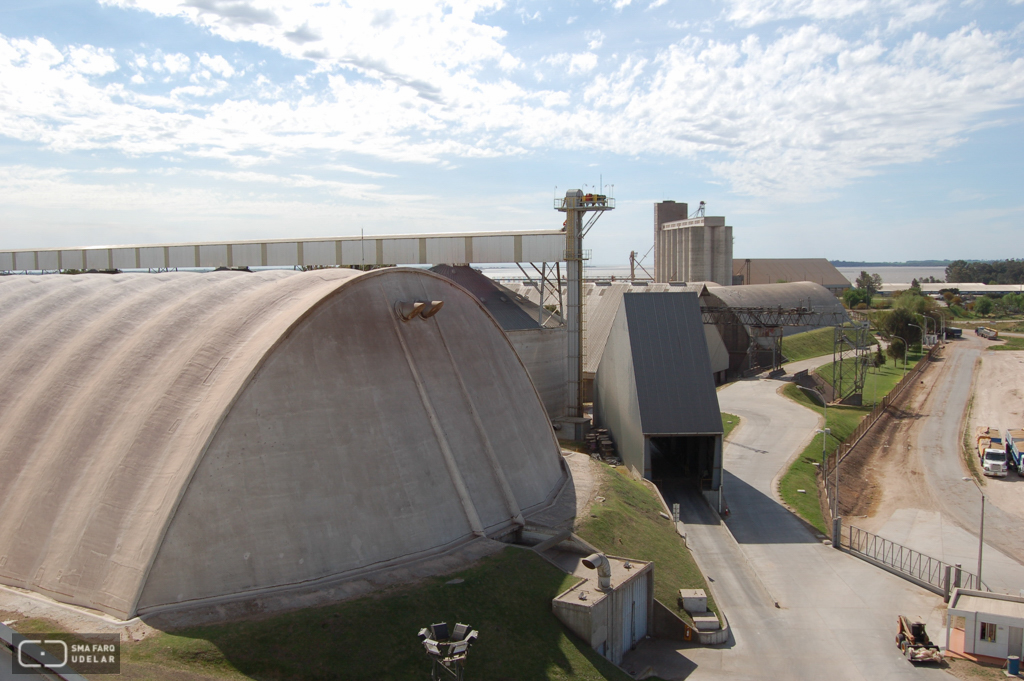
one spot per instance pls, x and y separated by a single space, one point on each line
406 310
431 308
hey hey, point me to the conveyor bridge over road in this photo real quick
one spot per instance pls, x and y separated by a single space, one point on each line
767 322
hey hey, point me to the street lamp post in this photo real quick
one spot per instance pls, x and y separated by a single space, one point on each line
922 334
905 344
981 529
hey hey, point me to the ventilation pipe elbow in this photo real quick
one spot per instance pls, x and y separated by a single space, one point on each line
599 562
406 310
430 308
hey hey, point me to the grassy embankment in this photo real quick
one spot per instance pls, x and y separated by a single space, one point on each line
842 421
808 344
628 523
506 596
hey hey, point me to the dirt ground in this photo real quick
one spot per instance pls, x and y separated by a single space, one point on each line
887 464
887 461
999 403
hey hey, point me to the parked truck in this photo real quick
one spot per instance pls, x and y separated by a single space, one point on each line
1013 440
991 452
986 332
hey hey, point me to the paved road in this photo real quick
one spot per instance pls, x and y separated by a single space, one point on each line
938 438
836 614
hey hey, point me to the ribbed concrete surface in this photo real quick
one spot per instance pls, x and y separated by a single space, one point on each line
320 461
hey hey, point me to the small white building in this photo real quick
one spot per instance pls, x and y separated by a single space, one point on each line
985 623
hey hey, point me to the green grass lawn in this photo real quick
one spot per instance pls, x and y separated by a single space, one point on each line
808 344
628 523
506 597
1010 343
729 421
802 474
878 381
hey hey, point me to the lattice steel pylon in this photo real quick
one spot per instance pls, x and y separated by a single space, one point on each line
850 355
576 205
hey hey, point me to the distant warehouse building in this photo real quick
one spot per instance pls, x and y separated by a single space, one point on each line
746 271
655 393
751 346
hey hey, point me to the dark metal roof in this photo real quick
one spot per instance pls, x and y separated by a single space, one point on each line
675 390
498 300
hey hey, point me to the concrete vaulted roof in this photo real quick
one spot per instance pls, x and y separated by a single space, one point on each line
179 437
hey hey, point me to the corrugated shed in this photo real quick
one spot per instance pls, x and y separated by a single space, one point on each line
799 294
601 303
675 390
774 270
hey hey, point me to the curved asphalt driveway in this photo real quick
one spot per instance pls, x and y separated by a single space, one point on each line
836 614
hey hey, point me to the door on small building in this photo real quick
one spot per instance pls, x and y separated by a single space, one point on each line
634 613
1015 639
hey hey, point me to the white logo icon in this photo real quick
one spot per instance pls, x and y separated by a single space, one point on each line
48 665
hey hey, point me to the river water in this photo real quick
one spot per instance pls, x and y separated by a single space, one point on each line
890 275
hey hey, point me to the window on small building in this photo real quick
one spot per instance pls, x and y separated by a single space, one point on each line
988 632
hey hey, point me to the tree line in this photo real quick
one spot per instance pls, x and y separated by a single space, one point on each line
1001 272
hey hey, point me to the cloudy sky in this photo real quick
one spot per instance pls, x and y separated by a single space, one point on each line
847 129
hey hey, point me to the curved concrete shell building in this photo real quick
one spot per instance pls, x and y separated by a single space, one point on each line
177 438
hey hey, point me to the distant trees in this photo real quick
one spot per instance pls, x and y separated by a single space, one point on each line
853 297
1011 303
872 283
983 306
896 350
1002 272
898 323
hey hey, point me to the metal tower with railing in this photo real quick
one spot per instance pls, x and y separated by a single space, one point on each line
576 205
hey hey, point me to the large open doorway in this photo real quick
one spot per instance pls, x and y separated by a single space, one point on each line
684 458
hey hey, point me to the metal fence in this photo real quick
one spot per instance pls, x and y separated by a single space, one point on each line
876 413
931 573
844 449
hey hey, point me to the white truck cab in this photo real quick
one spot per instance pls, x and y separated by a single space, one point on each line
994 463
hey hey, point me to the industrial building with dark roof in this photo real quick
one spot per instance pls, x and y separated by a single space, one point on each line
655 393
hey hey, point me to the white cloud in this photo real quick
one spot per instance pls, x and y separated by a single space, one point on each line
92 61
217 64
794 114
903 12
582 63
594 39
416 45
177 63
657 3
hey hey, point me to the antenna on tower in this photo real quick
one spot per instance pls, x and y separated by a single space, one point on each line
700 210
